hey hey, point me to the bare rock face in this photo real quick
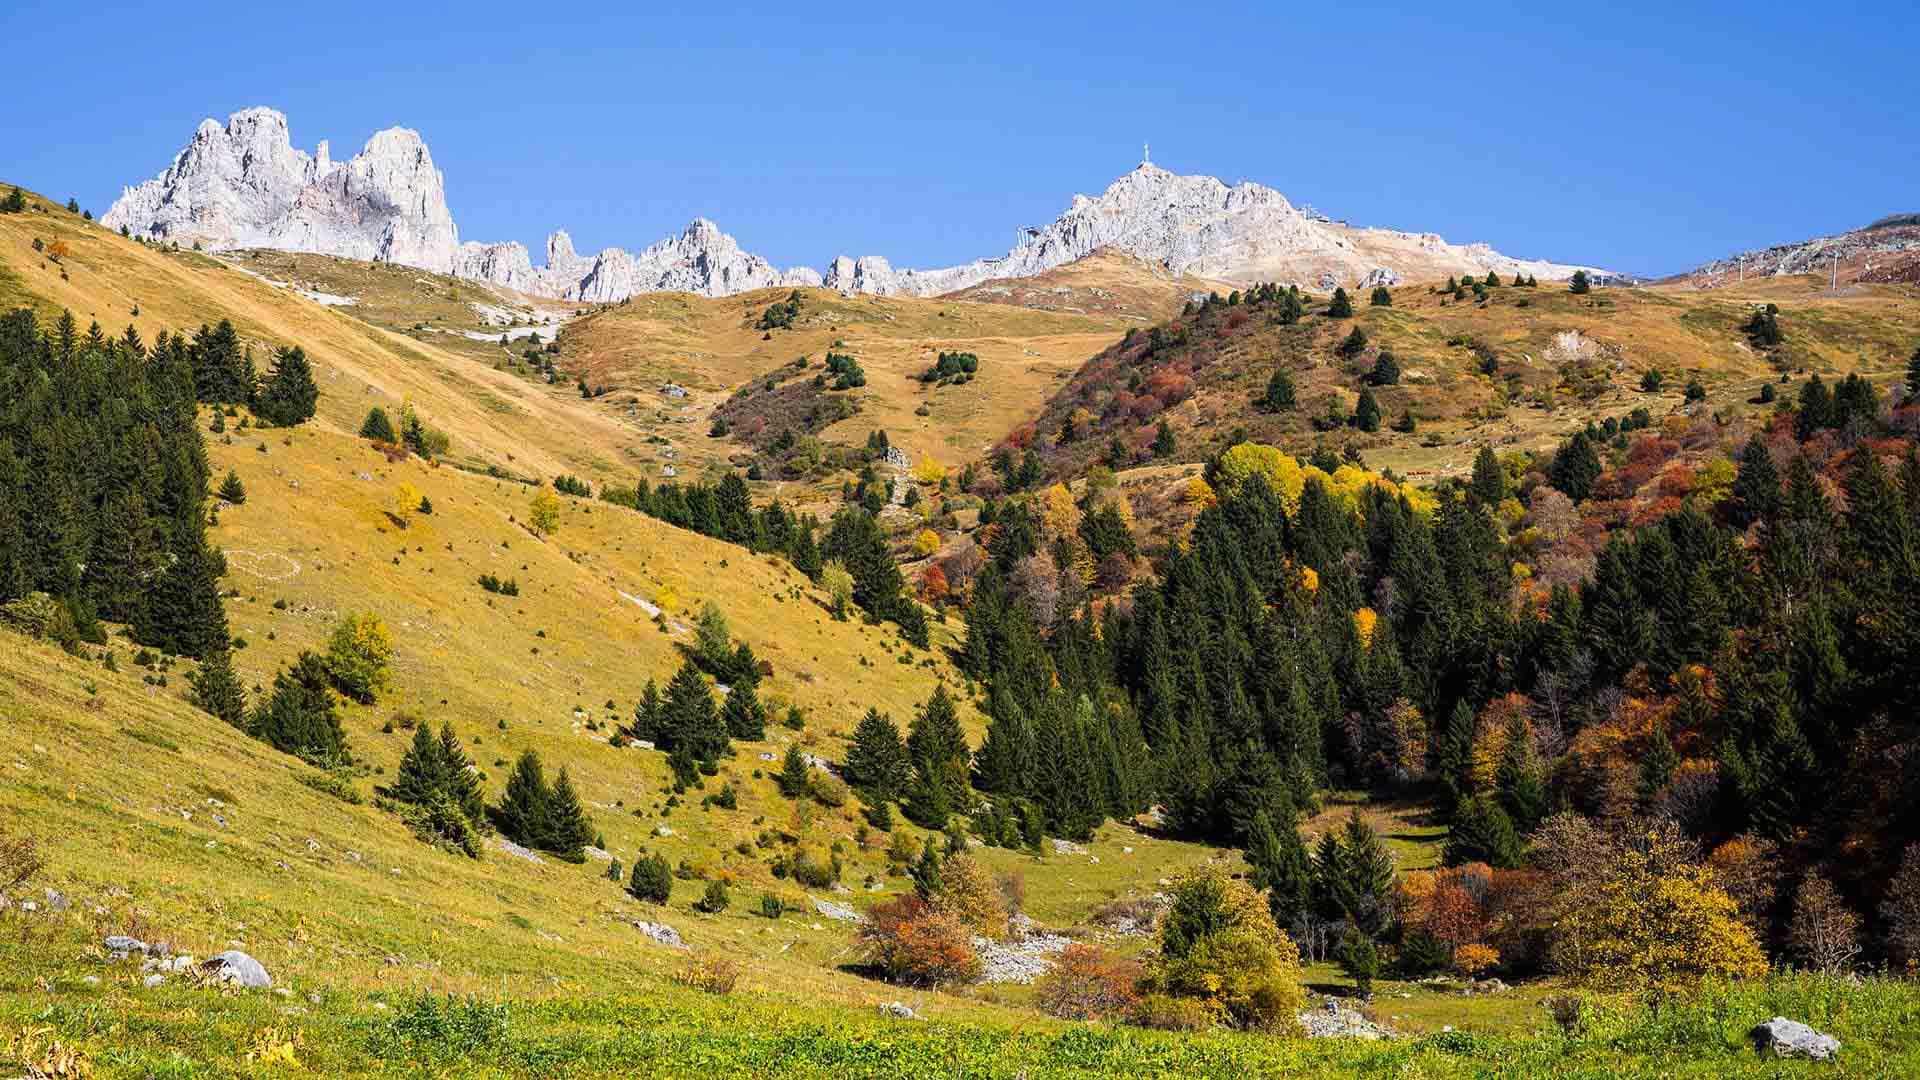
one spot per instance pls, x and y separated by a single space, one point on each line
702 260
245 185
1201 226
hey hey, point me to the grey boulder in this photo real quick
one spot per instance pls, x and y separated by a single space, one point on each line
1782 1037
236 968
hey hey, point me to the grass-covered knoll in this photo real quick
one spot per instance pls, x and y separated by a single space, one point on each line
712 346
494 417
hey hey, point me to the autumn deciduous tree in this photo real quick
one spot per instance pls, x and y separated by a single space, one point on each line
406 503
360 656
1649 917
544 513
1825 933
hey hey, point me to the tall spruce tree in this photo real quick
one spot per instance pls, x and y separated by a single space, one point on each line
522 814
289 394
298 716
566 831
877 762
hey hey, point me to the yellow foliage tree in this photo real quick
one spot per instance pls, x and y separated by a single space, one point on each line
1651 919
1364 621
929 472
1058 514
1310 579
1199 494
406 503
839 585
926 543
1490 737
360 656
544 513
1288 478
968 891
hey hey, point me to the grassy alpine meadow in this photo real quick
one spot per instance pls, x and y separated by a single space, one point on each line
50 1013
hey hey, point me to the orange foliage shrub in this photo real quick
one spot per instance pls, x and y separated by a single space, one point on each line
915 943
933 585
1471 960
1087 983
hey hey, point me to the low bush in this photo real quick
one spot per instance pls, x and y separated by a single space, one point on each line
713 974
1087 983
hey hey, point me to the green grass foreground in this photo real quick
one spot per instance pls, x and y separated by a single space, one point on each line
178 1031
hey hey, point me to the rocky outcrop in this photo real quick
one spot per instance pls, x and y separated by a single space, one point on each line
245 185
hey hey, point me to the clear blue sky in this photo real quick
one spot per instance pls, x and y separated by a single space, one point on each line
1634 136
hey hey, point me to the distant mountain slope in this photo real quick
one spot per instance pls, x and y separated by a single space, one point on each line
1885 252
245 185
1520 369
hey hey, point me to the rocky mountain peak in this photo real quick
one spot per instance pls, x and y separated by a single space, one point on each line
244 184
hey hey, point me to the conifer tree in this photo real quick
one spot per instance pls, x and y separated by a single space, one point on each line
566 831
298 717
648 714
794 774
1163 442
1280 862
925 872
688 717
216 688
877 763
289 393
745 717
1518 779
1756 486
463 780
1340 307
1815 409
1366 414
1576 465
423 772
232 490
1657 764
1579 285
181 612
1489 485
376 426
522 814
1456 753
1279 396
938 749
652 879
1482 832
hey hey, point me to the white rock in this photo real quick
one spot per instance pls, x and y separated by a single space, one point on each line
245 185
